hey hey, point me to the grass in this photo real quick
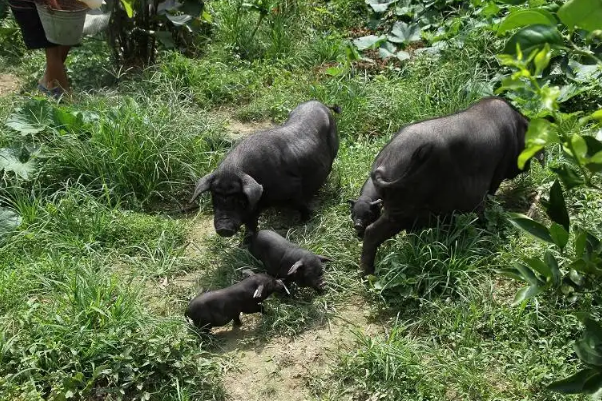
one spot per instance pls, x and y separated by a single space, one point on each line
94 282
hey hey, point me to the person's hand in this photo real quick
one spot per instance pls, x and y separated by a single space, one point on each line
54 4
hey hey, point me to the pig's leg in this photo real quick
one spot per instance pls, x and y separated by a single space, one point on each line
236 321
377 233
252 222
305 212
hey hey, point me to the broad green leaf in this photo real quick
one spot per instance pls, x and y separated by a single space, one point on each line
510 273
593 331
542 59
579 147
583 266
127 6
529 292
167 5
9 162
33 117
404 33
527 274
549 97
179 20
9 221
588 352
593 145
533 37
573 384
569 176
527 154
586 14
530 226
595 162
597 115
335 71
552 264
593 384
540 267
194 8
576 277
368 42
402 55
522 18
386 50
490 10
596 158
556 206
539 134
206 16
513 2
379 6
166 39
559 235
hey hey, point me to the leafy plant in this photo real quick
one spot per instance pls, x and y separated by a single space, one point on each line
589 351
9 220
564 35
137 25
412 24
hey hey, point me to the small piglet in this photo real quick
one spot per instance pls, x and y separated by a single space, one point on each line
219 307
365 210
287 261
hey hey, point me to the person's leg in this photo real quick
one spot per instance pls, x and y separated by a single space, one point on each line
65 52
55 76
44 81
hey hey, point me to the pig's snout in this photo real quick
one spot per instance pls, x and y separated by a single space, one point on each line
359 228
225 228
225 232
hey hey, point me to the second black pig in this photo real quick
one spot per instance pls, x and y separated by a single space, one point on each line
287 261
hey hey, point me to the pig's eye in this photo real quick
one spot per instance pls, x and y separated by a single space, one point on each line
241 202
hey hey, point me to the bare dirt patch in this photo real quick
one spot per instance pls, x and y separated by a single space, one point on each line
202 228
280 368
239 129
9 84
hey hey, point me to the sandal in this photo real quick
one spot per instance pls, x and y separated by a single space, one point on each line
56 92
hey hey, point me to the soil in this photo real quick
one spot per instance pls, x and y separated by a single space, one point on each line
9 84
239 129
281 368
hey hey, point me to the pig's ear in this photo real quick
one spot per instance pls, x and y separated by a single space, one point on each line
324 258
377 203
252 189
202 185
258 291
295 267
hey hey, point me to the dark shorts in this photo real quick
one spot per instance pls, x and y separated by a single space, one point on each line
27 17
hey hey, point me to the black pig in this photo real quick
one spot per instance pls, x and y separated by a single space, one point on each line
285 165
219 307
446 164
365 209
287 261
